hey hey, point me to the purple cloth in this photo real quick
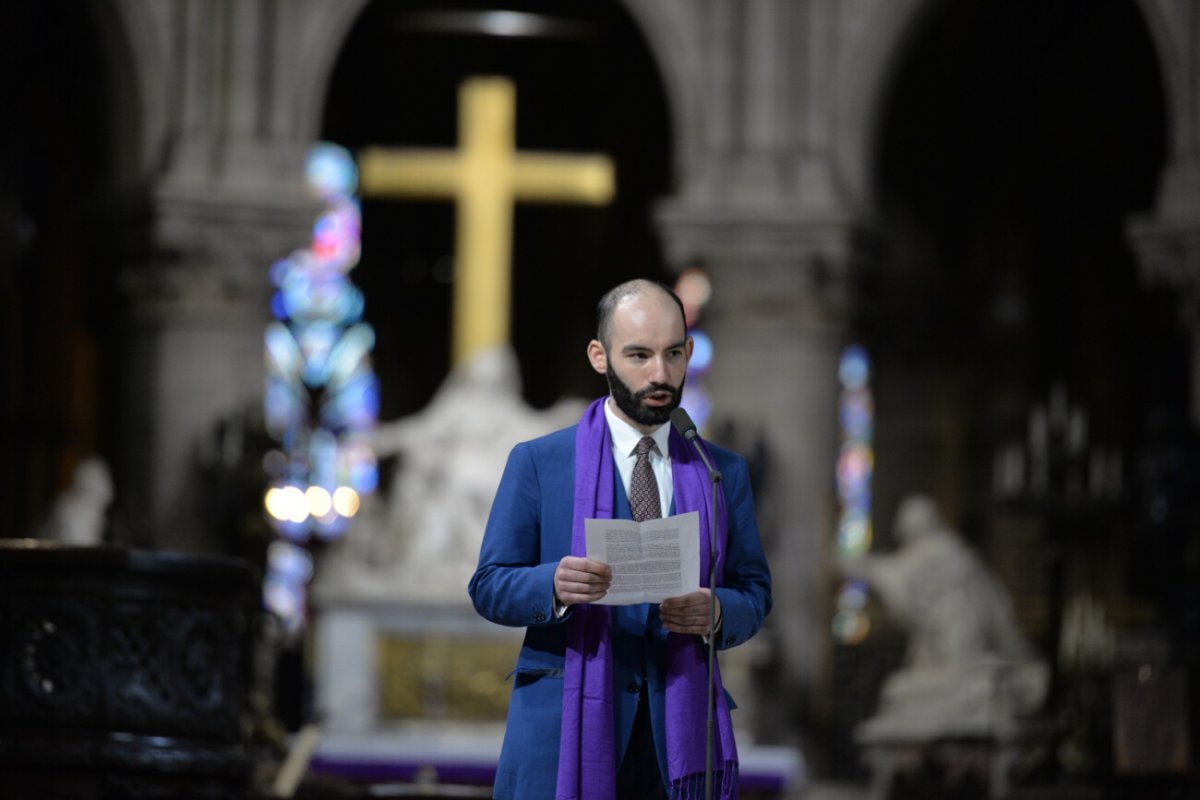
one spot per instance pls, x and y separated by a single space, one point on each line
586 768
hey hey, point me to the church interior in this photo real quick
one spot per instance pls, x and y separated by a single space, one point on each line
942 262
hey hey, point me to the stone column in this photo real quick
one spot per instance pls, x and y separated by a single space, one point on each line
228 202
761 209
193 349
782 294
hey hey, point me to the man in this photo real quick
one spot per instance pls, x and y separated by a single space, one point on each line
610 701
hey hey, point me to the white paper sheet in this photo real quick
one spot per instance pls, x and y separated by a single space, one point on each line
650 560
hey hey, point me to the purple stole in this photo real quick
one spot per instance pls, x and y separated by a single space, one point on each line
586 762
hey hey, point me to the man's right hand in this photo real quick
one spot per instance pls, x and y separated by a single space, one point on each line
581 580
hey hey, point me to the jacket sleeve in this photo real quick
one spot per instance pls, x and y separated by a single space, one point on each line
745 595
511 585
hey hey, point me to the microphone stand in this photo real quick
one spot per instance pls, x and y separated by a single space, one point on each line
714 475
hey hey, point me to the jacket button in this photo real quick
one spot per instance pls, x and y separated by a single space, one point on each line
539 616
729 640
633 687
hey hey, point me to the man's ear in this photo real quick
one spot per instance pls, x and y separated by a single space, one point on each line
597 356
689 345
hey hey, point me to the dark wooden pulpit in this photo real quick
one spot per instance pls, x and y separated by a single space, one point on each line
123 673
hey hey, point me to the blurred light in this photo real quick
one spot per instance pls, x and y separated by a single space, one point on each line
851 627
286 504
854 533
853 597
320 503
330 171
495 23
345 501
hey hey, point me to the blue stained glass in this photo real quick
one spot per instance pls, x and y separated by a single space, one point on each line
280 270
857 415
355 405
289 563
283 353
317 340
350 352
702 353
278 311
853 596
855 465
282 405
854 532
331 171
697 403
855 369
321 394
323 450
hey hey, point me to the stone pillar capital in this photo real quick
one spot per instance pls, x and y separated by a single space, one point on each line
1167 242
210 255
782 268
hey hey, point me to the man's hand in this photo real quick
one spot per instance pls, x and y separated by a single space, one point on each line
581 580
688 613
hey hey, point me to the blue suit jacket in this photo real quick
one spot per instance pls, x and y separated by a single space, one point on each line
528 532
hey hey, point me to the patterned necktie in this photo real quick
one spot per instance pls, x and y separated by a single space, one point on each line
643 487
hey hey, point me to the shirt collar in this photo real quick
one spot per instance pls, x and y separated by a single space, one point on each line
625 437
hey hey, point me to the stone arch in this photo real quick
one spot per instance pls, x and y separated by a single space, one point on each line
877 40
326 27
1173 70
132 41
673 48
866 59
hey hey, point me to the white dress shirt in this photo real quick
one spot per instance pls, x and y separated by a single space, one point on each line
625 438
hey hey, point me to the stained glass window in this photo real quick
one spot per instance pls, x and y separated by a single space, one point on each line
322 396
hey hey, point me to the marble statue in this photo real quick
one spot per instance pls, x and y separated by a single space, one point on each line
420 538
968 670
79 514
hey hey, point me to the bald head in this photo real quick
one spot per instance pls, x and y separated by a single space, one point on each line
613 298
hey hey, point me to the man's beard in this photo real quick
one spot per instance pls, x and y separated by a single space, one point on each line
631 404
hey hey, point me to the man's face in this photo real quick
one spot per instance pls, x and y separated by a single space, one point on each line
646 360
644 406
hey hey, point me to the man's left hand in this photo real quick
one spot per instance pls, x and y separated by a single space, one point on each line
688 613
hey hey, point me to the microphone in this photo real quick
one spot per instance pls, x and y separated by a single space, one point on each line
682 422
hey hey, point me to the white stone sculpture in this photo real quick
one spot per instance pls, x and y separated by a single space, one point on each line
420 539
79 514
968 671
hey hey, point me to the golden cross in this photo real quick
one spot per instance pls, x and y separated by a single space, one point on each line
485 177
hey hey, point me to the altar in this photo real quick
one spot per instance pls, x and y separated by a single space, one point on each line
380 666
416 693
